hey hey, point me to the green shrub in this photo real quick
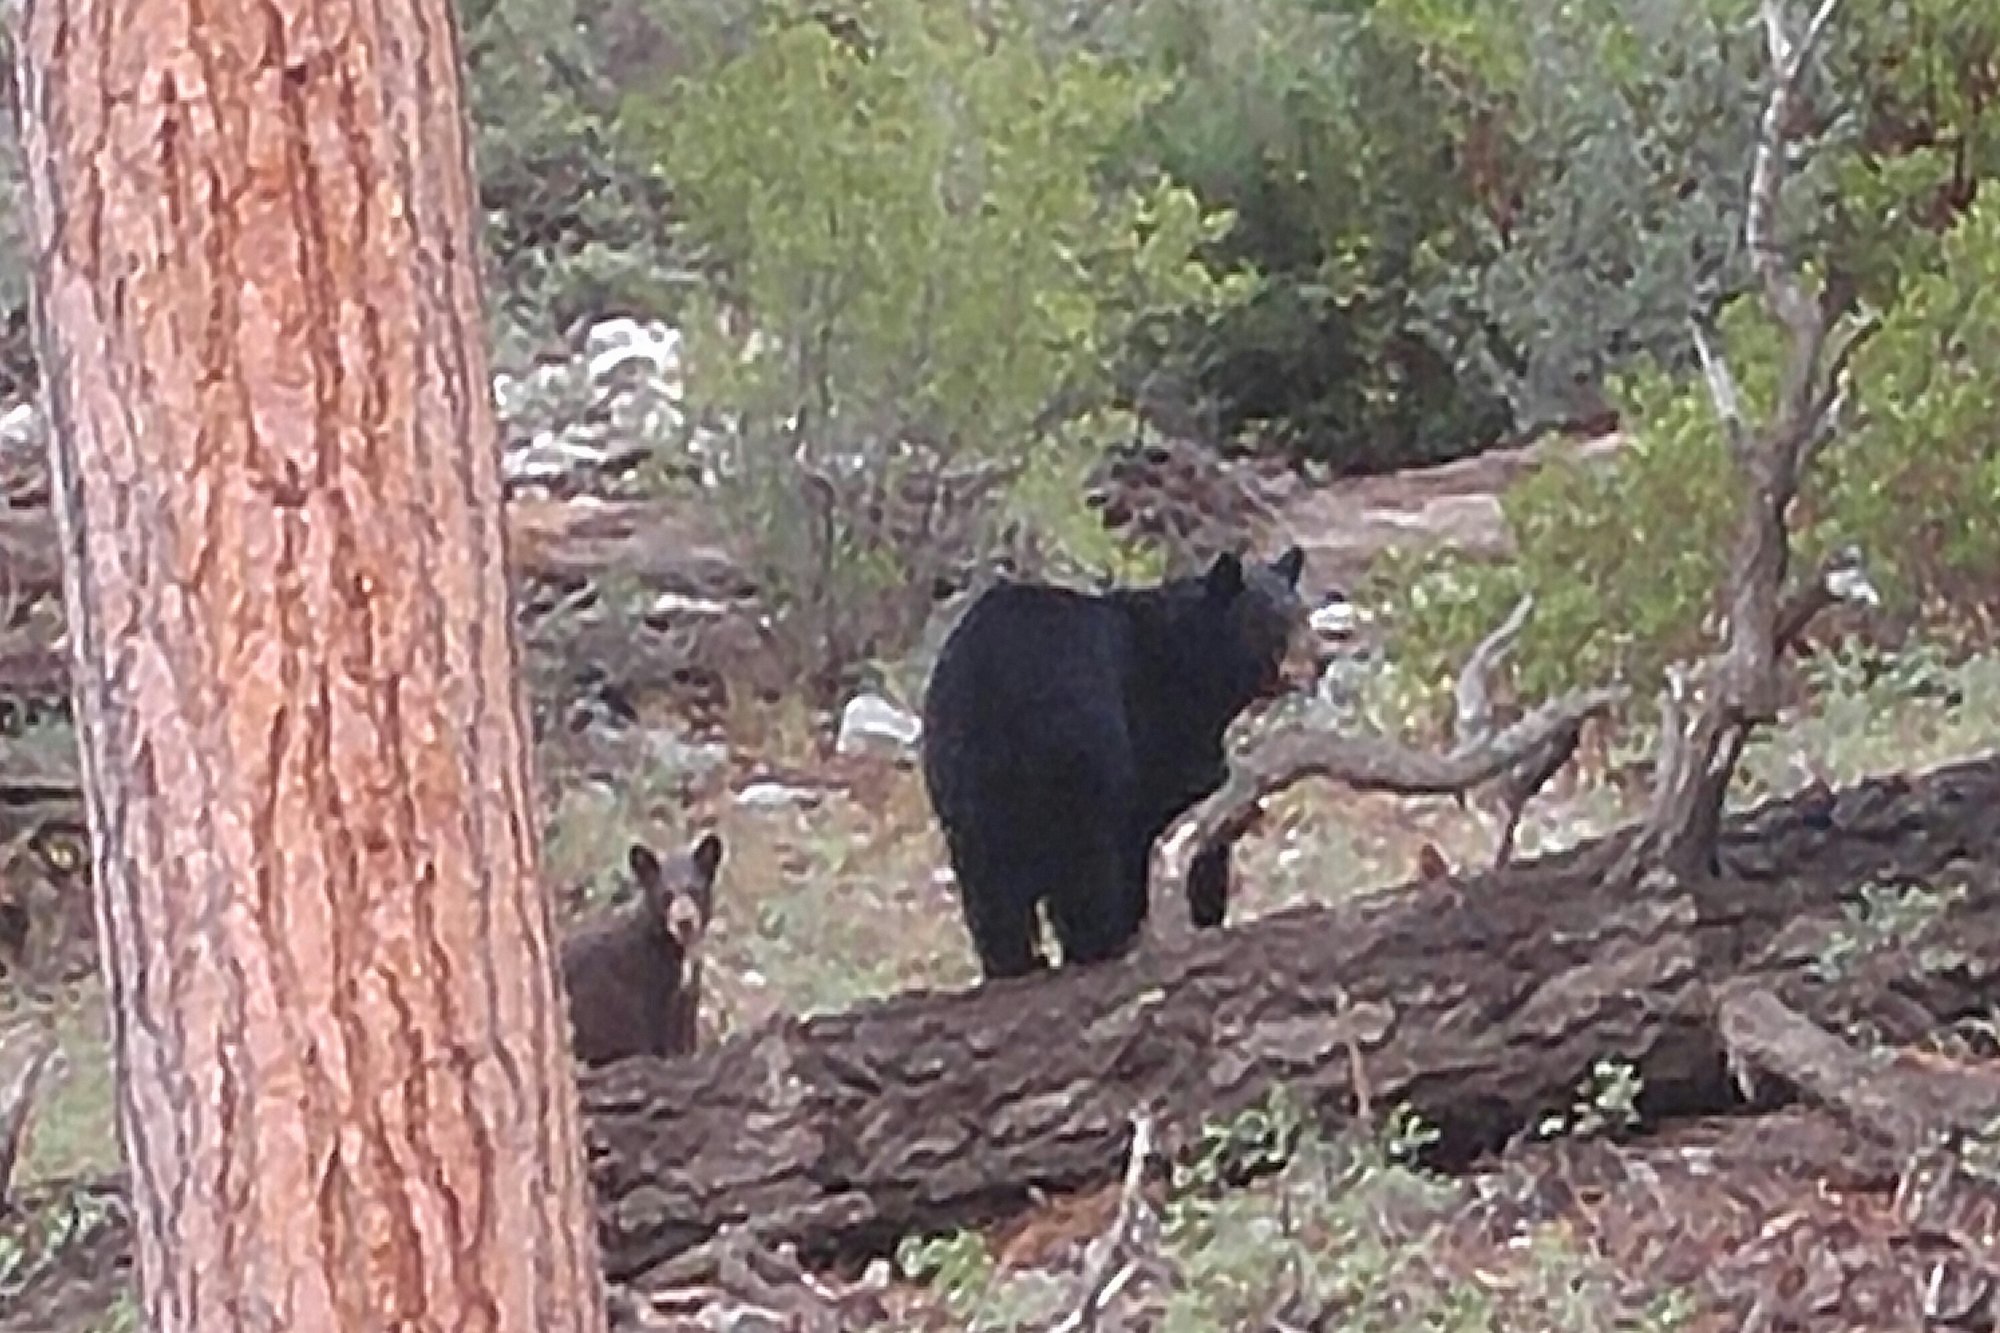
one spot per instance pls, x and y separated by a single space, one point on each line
574 223
1918 483
910 271
1627 557
1324 132
1624 556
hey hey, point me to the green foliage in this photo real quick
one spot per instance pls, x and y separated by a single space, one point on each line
572 218
1607 1101
1893 918
1626 130
957 1268
1911 106
1918 484
1626 558
911 268
1321 128
1345 1236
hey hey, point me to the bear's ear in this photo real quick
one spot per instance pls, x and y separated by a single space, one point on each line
1289 565
644 865
707 855
1225 577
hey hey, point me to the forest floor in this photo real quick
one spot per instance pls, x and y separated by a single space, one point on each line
832 892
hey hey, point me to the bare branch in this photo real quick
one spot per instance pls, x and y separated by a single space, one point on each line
1905 1106
1699 757
1814 31
1822 414
17 1103
1669 773
1114 1256
1474 712
1375 763
1525 780
1722 388
1782 289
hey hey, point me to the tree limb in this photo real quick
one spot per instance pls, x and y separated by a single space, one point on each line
1782 290
1375 763
1741 682
1472 695
1722 389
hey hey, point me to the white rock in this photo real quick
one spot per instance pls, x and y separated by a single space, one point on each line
1336 620
869 719
767 795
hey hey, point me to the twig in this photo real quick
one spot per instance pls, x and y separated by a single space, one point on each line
1376 763
1722 388
1699 757
1114 1256
17 1101
1521 783
1788 60
1472 695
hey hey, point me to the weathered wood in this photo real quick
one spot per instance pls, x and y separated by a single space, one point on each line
1933 1117
1381 764
1903 1105
1480 1002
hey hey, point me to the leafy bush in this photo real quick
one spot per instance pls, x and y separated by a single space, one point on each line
914 294
1626 135
1918 484
577 224
1624 556
1627 557
1322 130
1628 128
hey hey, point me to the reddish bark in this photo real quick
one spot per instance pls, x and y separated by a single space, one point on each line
344 1079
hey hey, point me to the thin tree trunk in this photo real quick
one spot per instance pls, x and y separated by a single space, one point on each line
344 1085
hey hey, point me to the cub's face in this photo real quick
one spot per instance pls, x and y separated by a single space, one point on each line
681 890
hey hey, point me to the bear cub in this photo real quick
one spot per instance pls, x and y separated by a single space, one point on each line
1063 731
633 974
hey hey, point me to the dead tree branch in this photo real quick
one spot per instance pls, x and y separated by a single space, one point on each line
1524 779
1115 1257
1376 763
1926 1114
1738 688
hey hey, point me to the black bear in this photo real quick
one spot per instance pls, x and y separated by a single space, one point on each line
634 974
1064 731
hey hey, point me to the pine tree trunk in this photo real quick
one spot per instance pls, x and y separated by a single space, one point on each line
343 1073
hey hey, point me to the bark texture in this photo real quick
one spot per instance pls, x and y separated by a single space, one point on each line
1482 1002
344 1081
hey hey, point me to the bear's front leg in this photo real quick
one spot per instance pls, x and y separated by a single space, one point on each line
1208 886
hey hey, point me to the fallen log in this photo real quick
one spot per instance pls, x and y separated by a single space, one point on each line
1941 1122
1481 1002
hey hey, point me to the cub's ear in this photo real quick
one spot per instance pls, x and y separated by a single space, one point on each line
644 865
1290 565
707 855
1225 577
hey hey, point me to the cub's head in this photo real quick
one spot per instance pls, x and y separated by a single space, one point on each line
679 893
